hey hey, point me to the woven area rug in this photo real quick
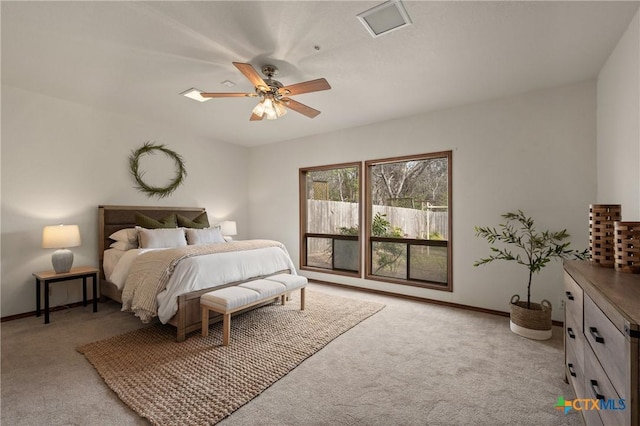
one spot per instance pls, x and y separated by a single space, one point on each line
199 382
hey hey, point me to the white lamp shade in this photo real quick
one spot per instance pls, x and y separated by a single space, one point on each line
228 228
60 236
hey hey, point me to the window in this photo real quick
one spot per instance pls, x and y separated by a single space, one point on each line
408 217
407 220
330 219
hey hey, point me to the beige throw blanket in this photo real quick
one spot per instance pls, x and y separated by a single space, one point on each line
150 272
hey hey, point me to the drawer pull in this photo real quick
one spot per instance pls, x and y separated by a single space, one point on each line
573 373
569 295
594 333
594 388
570 332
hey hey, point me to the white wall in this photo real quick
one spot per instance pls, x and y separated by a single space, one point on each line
61 160
535 152
619 125
538 152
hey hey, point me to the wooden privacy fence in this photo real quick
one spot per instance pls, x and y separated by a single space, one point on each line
326 217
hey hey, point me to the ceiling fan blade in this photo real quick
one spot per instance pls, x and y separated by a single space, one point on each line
228 95
255 117
305 87
250 72
301 108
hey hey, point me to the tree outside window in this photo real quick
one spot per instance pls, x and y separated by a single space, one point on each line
407 211
408 216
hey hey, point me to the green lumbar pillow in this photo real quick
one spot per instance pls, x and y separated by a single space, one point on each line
151 223
200 222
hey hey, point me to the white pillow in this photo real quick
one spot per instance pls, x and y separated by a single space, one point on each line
111 259
204 236
124 245
129 235
161 238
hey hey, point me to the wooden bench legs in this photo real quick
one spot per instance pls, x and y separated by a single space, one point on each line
226 329
285 296
226 316
226 325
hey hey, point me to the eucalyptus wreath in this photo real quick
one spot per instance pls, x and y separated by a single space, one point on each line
150 148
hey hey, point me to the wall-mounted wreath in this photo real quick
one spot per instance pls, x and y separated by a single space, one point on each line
150 148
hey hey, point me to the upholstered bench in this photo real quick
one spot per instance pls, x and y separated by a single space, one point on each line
291 282
228 300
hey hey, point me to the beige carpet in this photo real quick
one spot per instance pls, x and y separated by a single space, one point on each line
201 382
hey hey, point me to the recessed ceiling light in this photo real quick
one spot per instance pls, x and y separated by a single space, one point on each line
228 83
388 16
195 95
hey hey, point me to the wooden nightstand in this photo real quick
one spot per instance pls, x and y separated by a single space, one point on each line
48 277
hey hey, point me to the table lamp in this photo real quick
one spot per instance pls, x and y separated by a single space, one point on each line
61 237
228 228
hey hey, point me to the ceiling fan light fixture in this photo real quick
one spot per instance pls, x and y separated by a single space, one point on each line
386 17
280 110
270 114
270 108
274 96
259 109
195 95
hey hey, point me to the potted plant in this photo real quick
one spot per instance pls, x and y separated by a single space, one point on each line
534 250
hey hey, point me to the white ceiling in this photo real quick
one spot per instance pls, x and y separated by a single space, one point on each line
135 58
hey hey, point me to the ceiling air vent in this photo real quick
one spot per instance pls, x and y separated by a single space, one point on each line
388 16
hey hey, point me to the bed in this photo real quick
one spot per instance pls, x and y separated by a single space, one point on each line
185 303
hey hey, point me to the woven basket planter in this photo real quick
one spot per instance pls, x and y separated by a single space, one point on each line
532 323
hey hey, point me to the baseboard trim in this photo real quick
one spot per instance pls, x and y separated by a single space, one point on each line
423 299
33 313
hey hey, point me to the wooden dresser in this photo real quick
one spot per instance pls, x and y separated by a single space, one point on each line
601 342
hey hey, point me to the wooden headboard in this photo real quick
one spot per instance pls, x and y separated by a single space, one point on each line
115 218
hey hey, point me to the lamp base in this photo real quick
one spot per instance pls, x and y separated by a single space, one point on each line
62 260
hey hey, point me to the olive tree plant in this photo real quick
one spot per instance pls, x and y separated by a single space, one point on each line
534 249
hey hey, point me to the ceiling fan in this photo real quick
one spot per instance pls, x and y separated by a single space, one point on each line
274 96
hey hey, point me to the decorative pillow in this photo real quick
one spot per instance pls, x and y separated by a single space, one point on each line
204 236
128 235
161 238
147 222
200 222
124 245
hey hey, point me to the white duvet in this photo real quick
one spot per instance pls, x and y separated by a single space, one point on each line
211 270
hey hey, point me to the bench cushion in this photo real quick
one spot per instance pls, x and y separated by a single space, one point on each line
292 282
229 298
266 288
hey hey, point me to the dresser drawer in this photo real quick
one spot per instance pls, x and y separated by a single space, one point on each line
609 345
592 418
598 386
575 371
573 301
574 341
